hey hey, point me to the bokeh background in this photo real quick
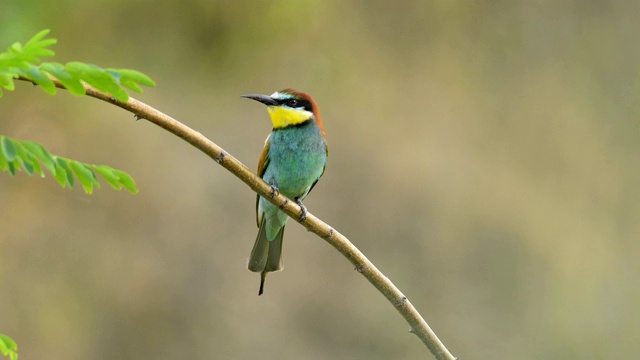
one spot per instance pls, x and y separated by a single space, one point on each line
484 155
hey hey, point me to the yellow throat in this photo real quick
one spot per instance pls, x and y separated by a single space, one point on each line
281 116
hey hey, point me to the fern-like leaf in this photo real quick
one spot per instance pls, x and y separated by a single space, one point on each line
33 158
8 347
25 61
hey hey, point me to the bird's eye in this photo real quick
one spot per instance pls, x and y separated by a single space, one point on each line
292 102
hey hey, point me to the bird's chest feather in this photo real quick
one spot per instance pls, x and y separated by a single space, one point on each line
297 158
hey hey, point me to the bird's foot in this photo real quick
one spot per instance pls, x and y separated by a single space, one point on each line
303 208
274 191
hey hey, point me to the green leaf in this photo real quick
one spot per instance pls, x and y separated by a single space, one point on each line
12 168
4 166
64 164
131 79
98 78
42 154
35 40
24 159
36 45
24 60
8 347
39 36
21 56
137 76
127 181
108 174
60 175
64 175
40 78
72 83
29 155
8 343
16 47
85 175
36 166
6 81
25 164
8 148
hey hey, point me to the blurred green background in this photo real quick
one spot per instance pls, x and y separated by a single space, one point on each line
484 155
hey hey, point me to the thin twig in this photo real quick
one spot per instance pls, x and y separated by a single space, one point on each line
401 303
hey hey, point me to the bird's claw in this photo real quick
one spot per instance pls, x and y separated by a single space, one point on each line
274 191
303 209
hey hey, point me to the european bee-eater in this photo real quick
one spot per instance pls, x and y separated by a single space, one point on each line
293 159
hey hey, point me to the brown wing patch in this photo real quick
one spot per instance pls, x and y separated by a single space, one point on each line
262 167
264 157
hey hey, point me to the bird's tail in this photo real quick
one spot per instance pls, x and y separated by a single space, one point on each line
266 256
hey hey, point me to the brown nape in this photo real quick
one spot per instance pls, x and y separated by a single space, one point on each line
314 105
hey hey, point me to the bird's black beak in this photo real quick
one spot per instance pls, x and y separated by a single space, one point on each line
265 99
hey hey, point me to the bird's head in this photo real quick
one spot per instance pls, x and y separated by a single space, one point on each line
289 108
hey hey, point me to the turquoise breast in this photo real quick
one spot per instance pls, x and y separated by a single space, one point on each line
298 155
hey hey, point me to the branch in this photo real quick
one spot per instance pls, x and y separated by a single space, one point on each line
418 325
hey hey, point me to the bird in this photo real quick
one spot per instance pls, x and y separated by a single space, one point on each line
292 161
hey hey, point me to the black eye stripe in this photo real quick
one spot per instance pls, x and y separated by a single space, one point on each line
300 103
